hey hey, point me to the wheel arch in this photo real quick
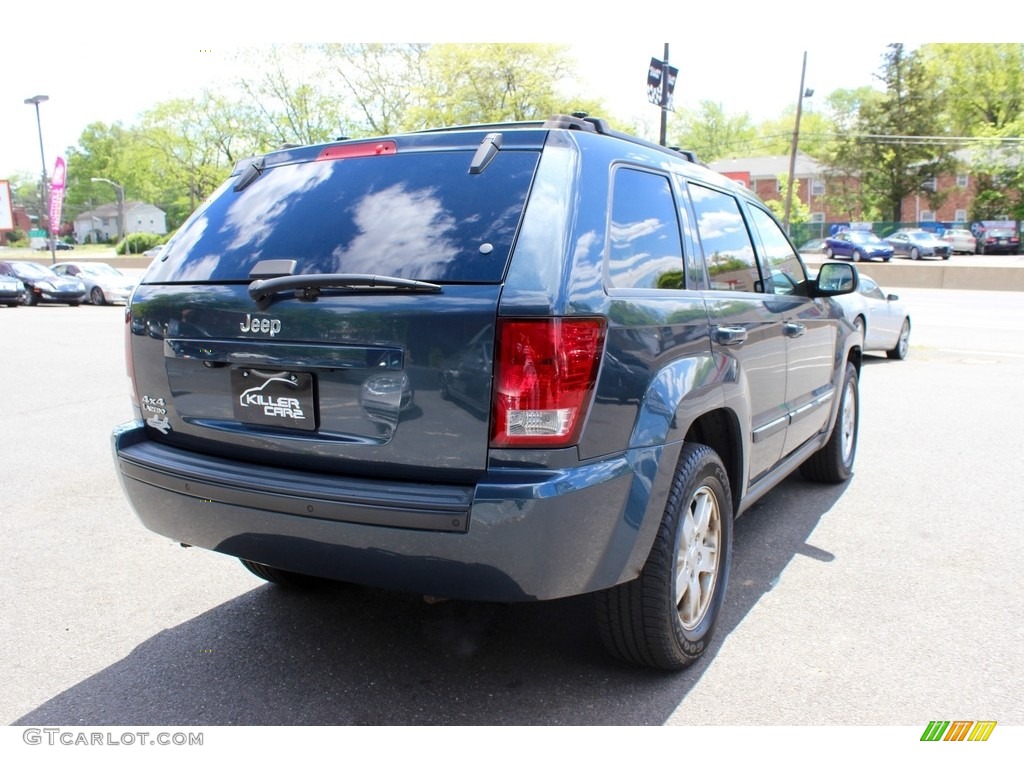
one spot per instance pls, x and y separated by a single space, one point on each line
719 430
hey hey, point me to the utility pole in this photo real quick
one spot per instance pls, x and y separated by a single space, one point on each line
796 140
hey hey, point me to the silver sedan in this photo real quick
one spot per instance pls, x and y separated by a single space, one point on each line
881 317
104 284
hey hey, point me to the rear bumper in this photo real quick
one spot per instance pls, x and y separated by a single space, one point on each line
516 535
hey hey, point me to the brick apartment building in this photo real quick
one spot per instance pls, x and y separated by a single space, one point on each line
764 176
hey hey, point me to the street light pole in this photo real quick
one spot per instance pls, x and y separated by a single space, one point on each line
37 100
121 233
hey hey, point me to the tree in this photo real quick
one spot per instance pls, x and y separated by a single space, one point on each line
713 134
291 96
889 163
817 134
190 146
493 82
103 151
799 211
380 79
983 84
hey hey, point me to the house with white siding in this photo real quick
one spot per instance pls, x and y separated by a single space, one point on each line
100 224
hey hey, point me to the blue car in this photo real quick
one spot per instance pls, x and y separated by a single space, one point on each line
858 245
497 366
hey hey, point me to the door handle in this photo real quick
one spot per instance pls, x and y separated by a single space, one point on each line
793 330
729 336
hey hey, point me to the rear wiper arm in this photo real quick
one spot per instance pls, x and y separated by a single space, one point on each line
309 287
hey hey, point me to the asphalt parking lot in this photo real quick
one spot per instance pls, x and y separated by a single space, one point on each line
895 599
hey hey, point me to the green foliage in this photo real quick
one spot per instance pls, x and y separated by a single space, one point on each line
983 83
16 236
713 134
799 211
492 82
137 242
890 170
379 81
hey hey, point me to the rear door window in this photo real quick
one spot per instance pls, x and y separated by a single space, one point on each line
646 250
418 215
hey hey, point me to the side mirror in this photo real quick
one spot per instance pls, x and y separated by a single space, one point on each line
892 297
836 279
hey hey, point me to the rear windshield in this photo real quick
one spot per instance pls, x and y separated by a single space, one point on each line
419 215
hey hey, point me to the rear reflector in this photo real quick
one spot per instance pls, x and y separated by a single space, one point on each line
364 149
544 377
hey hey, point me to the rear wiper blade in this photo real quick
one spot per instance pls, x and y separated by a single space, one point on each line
309 287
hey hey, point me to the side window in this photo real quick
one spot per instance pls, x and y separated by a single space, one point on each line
870 288
728 252
646 250
787 271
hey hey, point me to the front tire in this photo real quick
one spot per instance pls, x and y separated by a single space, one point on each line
902 348
96 296
666 616
833 462
915 254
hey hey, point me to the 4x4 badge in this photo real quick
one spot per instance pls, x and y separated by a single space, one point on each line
260 325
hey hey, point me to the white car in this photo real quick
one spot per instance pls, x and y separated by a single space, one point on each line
103 283
960 240
881 317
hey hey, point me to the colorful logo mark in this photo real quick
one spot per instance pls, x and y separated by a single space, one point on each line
958 730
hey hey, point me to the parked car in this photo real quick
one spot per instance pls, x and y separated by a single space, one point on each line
918 243
813 247
58 245
999 240
857 244
153 252
43 285
960 240
104 284
12 291
500 265
881 317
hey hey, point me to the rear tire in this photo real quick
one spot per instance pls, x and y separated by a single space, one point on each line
833 463
915 254
96 296
665 617
288 579
902 348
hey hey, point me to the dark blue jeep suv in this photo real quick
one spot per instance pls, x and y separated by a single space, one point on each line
505 362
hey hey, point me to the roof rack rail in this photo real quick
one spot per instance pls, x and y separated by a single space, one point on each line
577 121
485 126
581 121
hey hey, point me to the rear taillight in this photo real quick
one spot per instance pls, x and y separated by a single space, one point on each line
544 375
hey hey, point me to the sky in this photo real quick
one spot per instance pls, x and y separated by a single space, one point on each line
108 67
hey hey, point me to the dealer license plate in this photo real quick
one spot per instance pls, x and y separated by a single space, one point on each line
274 398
